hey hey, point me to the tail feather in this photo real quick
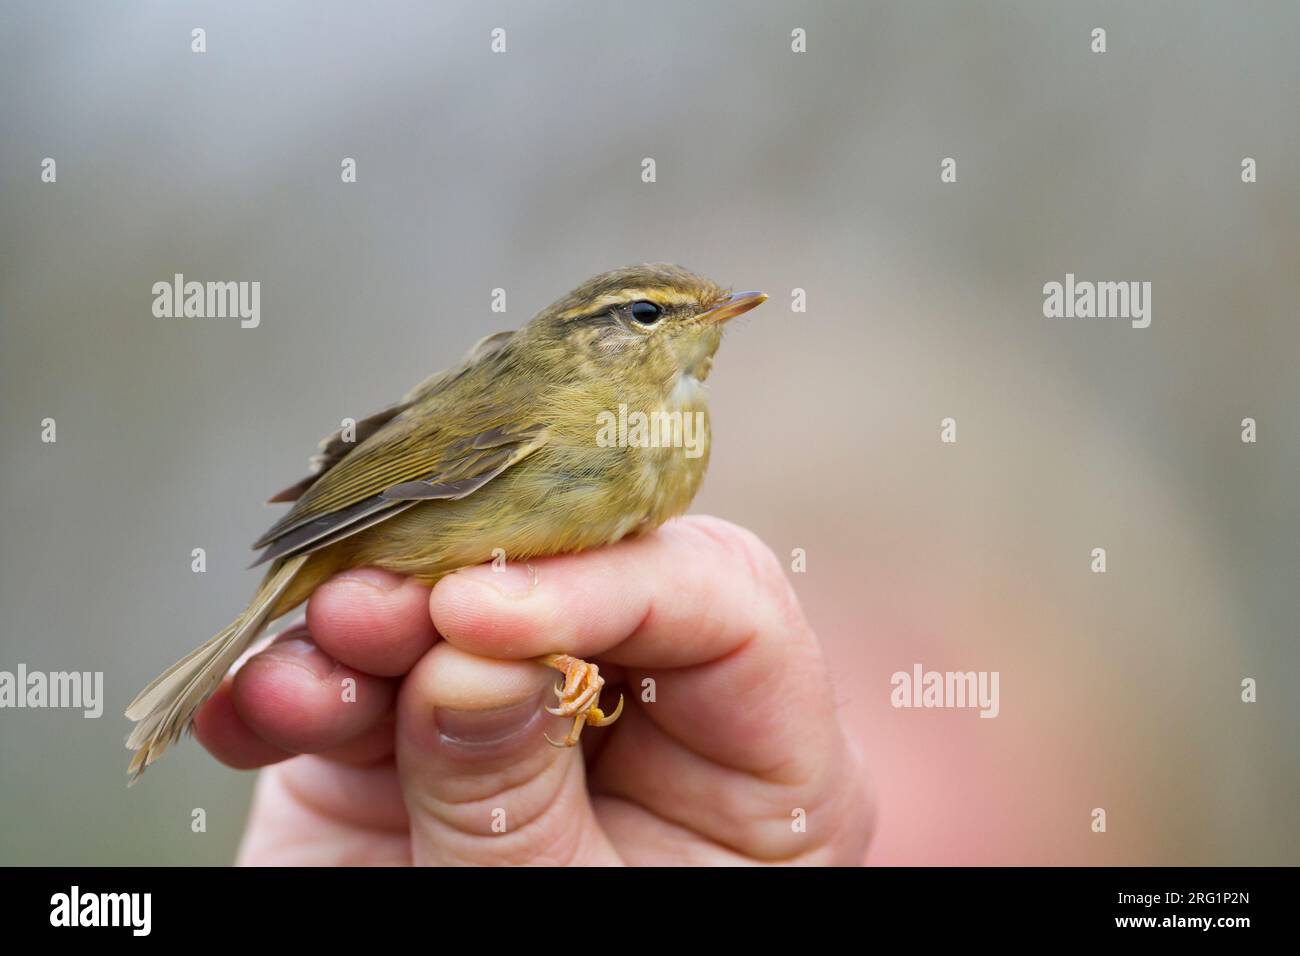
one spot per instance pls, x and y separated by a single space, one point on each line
164 709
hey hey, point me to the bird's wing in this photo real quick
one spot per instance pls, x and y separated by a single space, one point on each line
451 435
333 448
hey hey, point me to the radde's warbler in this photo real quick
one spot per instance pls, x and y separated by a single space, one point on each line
499 453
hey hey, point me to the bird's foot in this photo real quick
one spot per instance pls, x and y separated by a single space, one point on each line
579 695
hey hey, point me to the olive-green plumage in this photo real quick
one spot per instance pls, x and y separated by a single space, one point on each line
499 453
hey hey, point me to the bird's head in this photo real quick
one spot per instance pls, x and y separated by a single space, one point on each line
648 325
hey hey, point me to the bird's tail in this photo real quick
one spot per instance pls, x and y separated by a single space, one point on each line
165 708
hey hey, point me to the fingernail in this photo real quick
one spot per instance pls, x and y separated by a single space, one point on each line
303 654
373 578
511 579
480 728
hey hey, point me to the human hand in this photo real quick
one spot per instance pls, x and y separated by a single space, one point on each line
438 757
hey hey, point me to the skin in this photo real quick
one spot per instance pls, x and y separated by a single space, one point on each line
446 724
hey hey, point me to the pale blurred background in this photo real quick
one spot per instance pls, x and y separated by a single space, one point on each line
775 171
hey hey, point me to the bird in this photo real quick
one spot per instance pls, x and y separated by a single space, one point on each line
511 452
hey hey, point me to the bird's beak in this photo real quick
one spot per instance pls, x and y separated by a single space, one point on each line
733 305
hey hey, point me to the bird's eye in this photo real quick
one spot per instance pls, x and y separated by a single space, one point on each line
646 313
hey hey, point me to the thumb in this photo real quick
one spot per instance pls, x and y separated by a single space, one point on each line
482 785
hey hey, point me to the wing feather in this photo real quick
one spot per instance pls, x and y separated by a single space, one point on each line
407 453
334 447
451 481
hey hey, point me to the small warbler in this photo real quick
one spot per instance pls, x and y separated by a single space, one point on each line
503 452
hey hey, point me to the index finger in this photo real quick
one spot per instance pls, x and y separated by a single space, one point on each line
693 591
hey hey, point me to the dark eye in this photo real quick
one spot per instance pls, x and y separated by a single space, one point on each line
647 313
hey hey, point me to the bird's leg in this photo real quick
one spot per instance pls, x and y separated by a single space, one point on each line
579 695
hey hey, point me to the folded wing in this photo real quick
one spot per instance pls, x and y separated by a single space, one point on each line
448 437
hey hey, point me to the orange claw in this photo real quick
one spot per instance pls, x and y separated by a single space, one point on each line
579 696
